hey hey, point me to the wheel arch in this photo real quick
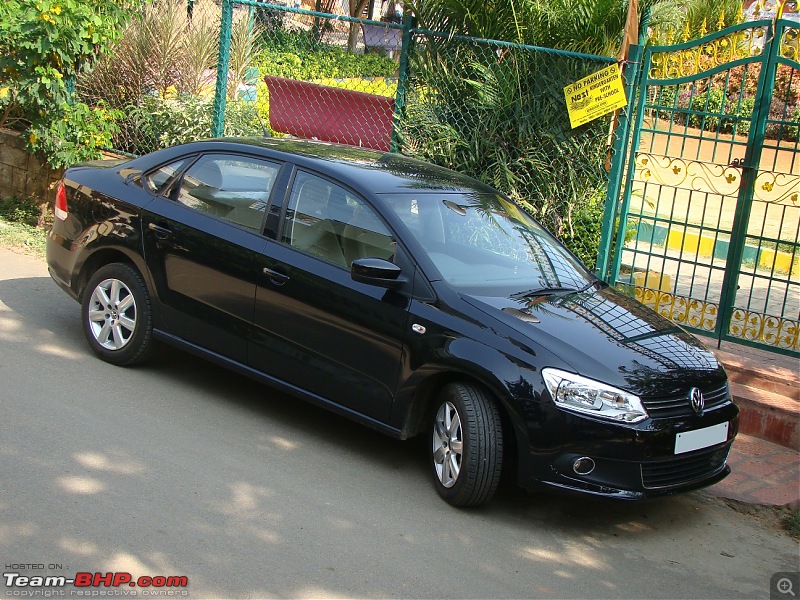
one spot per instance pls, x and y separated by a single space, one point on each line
427 388
106 256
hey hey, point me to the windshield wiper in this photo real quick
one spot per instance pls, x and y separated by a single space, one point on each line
545 291
555 290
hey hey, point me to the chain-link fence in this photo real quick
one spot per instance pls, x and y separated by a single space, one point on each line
162 76
491 109
497 111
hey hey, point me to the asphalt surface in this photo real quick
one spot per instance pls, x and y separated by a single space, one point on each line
179 468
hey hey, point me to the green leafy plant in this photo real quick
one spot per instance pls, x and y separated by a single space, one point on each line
297 55
712 101
244 36
673 22
791 522
741 111
77 133
161 75
23 222
44 44
499 115
25 211
589 26
162 122
584 224
30 240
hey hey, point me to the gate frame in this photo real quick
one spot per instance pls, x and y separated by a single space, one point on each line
628 138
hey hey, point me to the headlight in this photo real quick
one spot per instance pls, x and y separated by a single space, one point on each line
579 394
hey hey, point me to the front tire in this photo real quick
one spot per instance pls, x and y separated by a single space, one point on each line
116 315
466 445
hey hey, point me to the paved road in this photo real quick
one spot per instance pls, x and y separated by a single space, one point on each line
181 468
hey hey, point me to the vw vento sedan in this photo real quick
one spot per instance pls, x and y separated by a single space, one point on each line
405 296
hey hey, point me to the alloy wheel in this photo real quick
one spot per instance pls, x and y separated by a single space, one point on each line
448 444
112 314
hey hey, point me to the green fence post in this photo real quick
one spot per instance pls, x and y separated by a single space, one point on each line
409 22
642 62
220 94
619 151
750 169
618 159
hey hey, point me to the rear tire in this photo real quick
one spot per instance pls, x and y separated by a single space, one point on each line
466 445
116 315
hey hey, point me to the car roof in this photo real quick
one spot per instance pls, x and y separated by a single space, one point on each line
362 168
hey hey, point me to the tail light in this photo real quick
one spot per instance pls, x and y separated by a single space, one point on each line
60 207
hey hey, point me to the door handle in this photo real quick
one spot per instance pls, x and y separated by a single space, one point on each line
275 277
161 232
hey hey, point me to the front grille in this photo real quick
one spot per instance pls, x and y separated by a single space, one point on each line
680 406
685 469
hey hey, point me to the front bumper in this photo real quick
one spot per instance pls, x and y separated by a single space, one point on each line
629 461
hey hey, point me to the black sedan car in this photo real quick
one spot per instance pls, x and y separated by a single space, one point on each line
405 296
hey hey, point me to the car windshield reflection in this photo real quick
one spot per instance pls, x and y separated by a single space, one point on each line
485 244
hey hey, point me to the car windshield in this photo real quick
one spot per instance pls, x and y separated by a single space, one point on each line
486 245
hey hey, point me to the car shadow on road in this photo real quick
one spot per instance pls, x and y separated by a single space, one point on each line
181 466
290 413
512 504
36 304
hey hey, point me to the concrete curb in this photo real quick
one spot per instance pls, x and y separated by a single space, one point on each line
766 387
767 415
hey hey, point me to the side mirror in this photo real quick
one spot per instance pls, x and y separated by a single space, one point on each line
377 272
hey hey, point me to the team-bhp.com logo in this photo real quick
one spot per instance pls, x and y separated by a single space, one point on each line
97 580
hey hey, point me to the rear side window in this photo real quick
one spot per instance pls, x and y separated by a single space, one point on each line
232 188
156 180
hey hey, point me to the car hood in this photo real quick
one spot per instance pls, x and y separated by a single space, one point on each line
609 337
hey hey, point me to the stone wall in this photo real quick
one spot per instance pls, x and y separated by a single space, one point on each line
23 175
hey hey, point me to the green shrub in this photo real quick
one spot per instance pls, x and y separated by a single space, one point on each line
76 133
23 223
296 55
158 122
665 97
44 44
793 132
584 223
791 522
742 111
24 211
711 104
506 124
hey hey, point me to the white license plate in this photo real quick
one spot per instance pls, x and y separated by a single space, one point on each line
701 438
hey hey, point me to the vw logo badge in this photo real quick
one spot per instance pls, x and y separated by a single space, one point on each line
697 401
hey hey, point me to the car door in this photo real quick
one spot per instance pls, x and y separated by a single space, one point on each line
316 328
203 242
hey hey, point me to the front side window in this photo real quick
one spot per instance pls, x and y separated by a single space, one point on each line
232 188
330 222
486 244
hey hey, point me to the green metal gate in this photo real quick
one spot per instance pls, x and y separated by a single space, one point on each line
709 215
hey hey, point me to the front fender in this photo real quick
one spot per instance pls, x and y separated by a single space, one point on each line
515 386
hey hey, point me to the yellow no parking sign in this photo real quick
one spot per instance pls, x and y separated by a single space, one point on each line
595 95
